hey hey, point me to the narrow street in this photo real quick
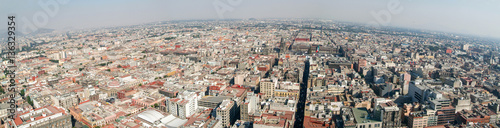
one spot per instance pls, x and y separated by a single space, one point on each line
299 115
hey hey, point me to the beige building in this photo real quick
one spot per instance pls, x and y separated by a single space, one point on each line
267 87
68 100
417 120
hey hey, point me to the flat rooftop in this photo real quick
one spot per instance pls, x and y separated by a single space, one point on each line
361 116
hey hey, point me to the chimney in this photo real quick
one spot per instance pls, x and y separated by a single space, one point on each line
44 114
32 119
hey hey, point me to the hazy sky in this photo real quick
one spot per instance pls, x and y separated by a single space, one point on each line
475 17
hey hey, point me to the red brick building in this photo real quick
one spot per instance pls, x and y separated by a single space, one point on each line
466 116
124 93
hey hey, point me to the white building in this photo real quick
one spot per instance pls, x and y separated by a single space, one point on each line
418 92
184 105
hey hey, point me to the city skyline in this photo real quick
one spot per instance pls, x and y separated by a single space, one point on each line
477 18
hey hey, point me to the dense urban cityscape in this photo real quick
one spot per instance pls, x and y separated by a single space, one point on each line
263 73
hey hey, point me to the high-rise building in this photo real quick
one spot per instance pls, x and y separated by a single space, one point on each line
226 112
239 79
418 92
184 106
445 115
267 87
404 81
389 113
249 107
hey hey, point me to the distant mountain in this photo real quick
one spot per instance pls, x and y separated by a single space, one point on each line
67 29
41 31
5 34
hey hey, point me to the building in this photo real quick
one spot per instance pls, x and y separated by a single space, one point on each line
147 98
211 101
267 87
286 93
418 92
203 119
364 119
93 113
249 107
43 101
239 79
494 107
467 116
125 93
431 117
445 115
183 106
226 112
44 117
4 107
274 119
462 104
466 47
361 63
317 123
389 113
168 93
404 81
68 100
417 119
154 118
346 119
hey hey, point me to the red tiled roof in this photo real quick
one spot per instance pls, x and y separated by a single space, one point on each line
18 120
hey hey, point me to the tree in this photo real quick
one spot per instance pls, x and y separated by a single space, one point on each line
54 61
22 93
28 99
156 105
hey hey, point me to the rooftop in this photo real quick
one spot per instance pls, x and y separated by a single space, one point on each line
361 115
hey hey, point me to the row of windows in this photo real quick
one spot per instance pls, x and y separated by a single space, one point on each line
369 126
